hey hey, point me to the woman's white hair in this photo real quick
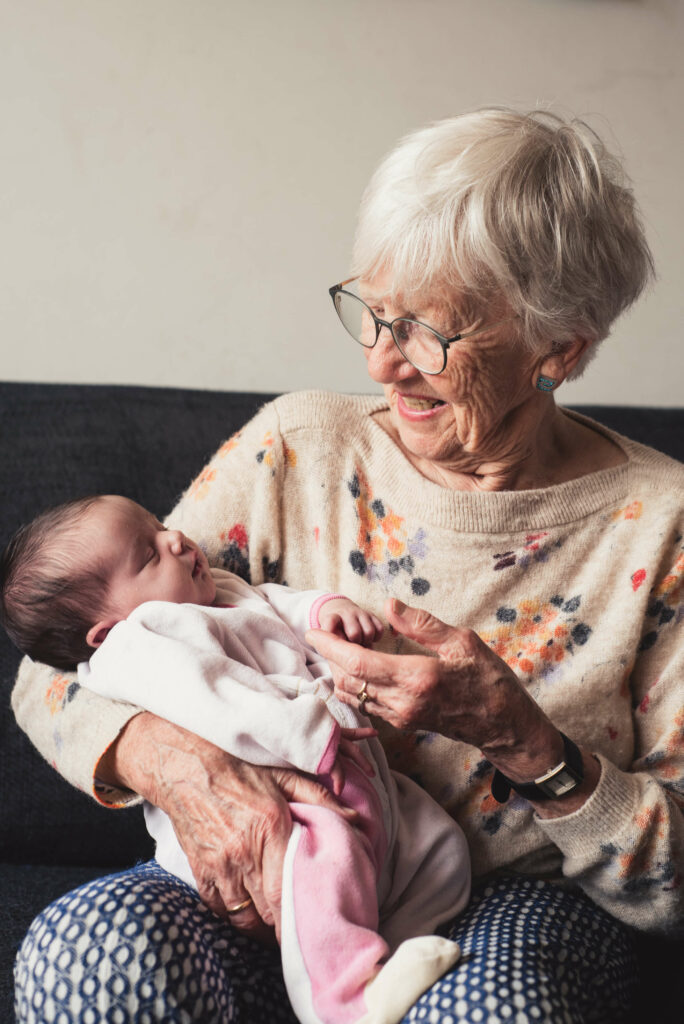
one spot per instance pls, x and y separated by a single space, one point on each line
496 203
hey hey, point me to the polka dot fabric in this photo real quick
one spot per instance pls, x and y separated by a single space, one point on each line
534 953
139 947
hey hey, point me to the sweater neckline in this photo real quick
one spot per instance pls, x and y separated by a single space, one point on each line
490 511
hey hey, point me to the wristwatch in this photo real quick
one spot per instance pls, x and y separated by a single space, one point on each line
557 782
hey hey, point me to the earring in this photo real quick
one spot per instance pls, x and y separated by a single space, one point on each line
545 383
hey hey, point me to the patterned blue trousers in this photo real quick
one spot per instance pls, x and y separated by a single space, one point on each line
139 947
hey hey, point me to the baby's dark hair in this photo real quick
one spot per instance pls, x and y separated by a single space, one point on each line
48 602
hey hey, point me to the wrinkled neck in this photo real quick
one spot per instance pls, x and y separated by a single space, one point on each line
533 445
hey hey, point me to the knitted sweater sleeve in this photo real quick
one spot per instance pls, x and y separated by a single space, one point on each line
232 510
625 846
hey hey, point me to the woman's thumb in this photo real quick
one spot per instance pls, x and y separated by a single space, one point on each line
417 624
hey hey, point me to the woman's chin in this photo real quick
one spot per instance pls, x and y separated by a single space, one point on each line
421 444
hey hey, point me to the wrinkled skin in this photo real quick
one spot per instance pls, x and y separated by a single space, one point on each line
231 818
492 429
463 691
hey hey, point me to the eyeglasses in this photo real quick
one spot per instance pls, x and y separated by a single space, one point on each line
422 346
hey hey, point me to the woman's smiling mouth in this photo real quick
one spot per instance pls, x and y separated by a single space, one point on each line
418 406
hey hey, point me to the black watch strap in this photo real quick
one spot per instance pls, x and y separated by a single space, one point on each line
557 782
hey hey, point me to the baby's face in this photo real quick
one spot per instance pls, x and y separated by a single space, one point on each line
142 560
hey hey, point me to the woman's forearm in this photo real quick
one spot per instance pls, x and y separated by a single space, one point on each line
68 725
540 749
120 765
231 818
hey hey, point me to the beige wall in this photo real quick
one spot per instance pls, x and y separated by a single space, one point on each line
179 178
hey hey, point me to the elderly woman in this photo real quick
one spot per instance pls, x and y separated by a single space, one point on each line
529 562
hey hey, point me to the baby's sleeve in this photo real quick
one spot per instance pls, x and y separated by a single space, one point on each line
169 659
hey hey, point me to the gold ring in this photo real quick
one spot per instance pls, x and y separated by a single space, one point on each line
239 906
362 695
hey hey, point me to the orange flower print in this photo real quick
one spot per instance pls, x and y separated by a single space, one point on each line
59 692
537 635
480 807
639 860
384 551
671 584
199 488
664 758
665 604
266 454
229 445
632 511
290 455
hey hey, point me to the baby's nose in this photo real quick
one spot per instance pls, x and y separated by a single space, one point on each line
177 541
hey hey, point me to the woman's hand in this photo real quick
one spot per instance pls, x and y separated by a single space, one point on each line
349 748
465 692
231 818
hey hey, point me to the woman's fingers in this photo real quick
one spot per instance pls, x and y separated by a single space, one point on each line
419 625
349 746
337 777
226 892
462 690
356 662
356 734
262 874
354 665
300 789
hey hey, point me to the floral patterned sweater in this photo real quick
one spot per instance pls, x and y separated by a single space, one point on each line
578 587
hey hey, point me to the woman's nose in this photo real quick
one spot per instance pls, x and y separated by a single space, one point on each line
385 362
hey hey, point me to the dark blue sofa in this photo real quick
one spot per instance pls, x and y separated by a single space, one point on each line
60 441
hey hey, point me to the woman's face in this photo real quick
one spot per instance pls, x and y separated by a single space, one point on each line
463 410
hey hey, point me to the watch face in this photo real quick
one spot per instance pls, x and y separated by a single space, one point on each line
561 783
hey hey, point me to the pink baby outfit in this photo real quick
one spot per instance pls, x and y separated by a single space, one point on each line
360 904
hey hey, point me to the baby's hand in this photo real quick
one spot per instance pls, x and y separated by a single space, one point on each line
349 739
345 618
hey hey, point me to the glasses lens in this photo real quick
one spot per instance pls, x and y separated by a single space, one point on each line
356 318
420 345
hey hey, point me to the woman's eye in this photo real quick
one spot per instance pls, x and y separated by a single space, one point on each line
405 329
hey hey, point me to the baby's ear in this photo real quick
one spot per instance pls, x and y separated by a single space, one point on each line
97 633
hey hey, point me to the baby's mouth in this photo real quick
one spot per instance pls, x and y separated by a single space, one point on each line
421 404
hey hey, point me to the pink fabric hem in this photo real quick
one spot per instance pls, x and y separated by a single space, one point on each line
334 878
